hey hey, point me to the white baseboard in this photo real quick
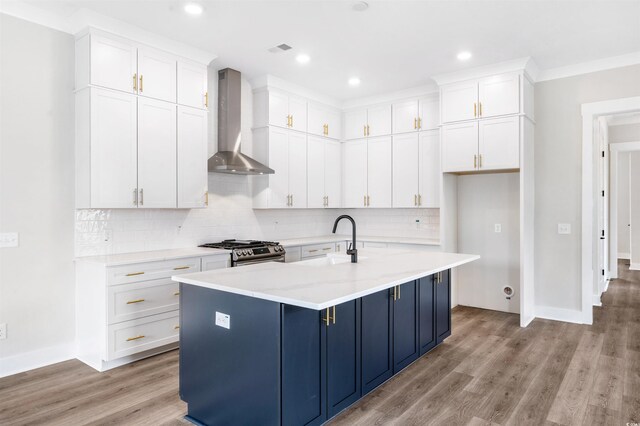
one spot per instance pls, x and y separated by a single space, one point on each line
525 321
35 359
596 300
624 256
559 314
635 267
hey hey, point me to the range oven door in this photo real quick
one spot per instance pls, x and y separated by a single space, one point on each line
279 259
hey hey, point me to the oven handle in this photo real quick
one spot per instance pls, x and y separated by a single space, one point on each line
279 259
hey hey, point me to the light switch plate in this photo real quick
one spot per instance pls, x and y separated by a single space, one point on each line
564 228
223 320
9 239
497 228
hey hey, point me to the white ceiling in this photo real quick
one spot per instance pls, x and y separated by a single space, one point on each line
392 46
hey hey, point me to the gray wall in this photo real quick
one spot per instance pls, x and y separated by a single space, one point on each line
37 188
558 154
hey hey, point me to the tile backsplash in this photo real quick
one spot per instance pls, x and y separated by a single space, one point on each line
230 215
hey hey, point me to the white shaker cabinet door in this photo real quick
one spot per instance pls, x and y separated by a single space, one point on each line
459 101
298 113
317 119
156 154
334 124
379 172
333 173
113 64
278 109
460 147
279 162
355 124
156 74
192 85
315 172
429 113
113 149
406 161
298 169
405 117
499 95
354 183
499 145
430 171
379 120
192 157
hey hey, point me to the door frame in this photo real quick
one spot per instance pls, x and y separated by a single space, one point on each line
589 261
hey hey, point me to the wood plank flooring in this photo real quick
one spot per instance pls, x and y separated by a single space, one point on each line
489 372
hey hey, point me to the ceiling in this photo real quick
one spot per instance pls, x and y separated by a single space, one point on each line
391 46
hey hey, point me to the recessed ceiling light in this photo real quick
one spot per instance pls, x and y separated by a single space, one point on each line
302 58
360 6
193 8
354 81
464 56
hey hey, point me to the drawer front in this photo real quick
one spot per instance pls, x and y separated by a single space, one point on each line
138 300
318 250
151 270
128 338
216 262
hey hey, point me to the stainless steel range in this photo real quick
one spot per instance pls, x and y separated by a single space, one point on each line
249 252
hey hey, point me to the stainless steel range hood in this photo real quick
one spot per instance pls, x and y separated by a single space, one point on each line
229 158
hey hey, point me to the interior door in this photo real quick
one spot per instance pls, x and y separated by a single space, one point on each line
333 173
156 154
429 113
114 155
430 171
379 120
355 124
316 172
278 161
379 175
460 147
113 64
499 95
405 117
406 161
157 74
298 169
278 109
499 144
192 157
459 101
354 185
298 113
192 84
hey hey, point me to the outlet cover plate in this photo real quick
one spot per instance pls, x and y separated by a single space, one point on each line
564 228
9 239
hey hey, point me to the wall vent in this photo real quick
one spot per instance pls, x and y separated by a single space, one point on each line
280 48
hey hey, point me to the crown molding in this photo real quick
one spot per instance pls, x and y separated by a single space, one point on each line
522 64
271 81
589 67
430 89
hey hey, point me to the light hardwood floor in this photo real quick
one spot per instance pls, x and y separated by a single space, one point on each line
490 371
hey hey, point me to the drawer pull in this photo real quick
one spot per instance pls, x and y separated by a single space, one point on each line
313 251
135 338
177 327
326 248
177 268
135 273
177 293
130 302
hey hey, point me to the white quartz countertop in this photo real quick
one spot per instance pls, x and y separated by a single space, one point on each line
293 242
151 256
318 286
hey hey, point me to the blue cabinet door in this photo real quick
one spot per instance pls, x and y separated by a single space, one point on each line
426 314
405 326
443 306
343 356
304 383
377 347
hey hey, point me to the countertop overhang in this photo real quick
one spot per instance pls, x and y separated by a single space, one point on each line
321 286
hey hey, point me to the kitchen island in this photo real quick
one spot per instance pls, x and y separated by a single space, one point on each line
296 343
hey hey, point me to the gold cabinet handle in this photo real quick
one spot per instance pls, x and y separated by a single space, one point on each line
135 338
134 273
395 293
177 293
480 161
368 201
368 130
141 196
135 196
326 249
415 123
131 302
135 82
479 109
334 315
364 200
475 110
365 130
415 200
398 292
140 83
177 268
291 200
419 200
292 121
206 198
475 161
206 99
419 123
313 251
326 318
176 327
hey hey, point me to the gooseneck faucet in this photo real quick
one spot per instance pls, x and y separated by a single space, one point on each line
352 249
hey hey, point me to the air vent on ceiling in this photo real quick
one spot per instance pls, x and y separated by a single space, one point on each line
280 48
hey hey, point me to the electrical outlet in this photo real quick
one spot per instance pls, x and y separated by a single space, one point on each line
564 228
497 228
9 239
223 320
3 331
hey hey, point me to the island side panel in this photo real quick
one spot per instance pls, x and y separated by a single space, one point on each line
229 375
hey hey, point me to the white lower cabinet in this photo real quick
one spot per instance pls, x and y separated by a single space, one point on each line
323 173
139 335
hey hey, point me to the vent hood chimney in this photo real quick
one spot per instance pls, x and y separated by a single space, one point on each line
229 158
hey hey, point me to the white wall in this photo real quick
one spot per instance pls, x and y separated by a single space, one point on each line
558 154
624 133
36 192
484 201
624 219
634 201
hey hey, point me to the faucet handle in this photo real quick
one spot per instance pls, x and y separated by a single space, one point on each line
350 246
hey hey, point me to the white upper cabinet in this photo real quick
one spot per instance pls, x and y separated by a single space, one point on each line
499 144
156 74
276 108
372 121
156 154
430 170
192 148
405 117
429 113
460 147
323 121
354 188
298 113
323 173
278 187
355 124
459 101
298 170
333 173
192 84
406 165
379 153
112 63
499 95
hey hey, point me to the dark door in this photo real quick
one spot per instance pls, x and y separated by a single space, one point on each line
377 355
443 306
303 367
426 313
405 326
343 356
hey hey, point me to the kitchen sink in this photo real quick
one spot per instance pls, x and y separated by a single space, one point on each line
328 260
